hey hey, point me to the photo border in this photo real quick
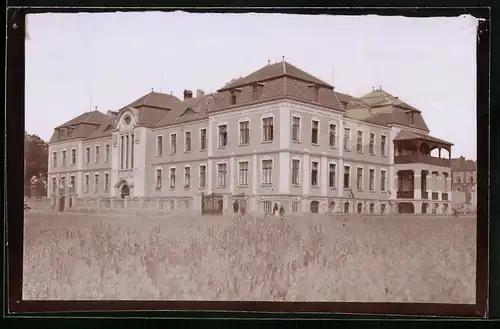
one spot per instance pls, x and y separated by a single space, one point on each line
14 223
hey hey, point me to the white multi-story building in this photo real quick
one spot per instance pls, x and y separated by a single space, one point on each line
276 135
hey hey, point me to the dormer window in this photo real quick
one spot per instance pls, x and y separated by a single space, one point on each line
314 92
257 91
411 118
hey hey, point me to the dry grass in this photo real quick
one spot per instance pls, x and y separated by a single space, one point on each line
107 256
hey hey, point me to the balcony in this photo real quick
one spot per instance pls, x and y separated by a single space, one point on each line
435 195
444 196
406 194
420 158
425 195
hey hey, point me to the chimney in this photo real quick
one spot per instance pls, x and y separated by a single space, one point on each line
199 93
188 94
462 158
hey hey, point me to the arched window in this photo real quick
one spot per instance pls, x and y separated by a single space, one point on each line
346 207
331 207
372 208
382 208
360 207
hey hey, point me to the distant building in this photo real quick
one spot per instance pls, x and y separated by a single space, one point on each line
464 183
278 134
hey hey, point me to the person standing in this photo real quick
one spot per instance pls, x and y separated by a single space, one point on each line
275 209
282 212
235 208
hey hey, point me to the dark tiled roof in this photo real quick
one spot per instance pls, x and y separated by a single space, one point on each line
283 87
461 164
93 117
405 135
80 127
104 130
155 99
272 71
345 98
385 108
191 109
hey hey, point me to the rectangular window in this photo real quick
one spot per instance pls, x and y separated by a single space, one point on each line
256 92
314 173
96 183
158 178
221 174
296 129
54 159
122 151
63 183
371 146
347 176
63 158
187 142
106 155
203 173
203 139
87 159
372 180
295 172
295 206
383 180
73 156
347 139
332 137
243 173
187 177
233 97
244 132
222 135
172 177
359 142
268 129
106 182
383 140
54 185
315 132
132 151
173 143
359 178
331 174
267 172
87 183
72 184
97 148
159 145
126 152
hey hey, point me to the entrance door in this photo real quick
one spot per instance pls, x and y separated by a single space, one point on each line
314 207
125 191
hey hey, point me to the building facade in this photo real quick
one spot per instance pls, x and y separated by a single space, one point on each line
464 181
278 135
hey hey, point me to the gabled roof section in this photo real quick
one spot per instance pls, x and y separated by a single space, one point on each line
93 117
380 97
154 99
272 71
384 108
409 135
197 107
462 164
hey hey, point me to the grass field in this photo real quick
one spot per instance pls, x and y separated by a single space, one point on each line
310 258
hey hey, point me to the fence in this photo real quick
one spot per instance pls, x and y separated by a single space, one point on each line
127 203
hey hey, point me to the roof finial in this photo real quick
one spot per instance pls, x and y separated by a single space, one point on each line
379 87
151 89
268 62
373 88
283 58
96 108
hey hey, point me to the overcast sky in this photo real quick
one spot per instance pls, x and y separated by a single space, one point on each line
75 61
